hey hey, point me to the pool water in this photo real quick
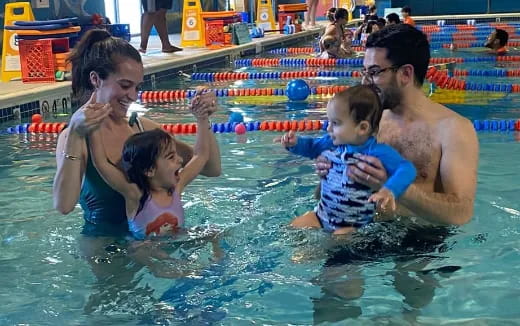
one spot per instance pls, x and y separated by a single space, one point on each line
270 273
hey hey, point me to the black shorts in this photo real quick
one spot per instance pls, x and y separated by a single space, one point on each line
381 240
154 5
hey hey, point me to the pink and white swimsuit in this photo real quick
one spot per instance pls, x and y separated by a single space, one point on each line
155 220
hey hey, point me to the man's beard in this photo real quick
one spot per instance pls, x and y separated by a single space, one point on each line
392 95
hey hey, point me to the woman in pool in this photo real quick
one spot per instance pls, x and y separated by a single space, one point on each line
336 32
113 69
153 180
333 49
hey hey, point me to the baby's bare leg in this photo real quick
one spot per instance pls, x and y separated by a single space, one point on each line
307 220
345 230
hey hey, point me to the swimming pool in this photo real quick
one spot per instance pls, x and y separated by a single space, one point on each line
270 274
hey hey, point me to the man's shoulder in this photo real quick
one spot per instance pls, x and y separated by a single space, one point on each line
452 125
446 117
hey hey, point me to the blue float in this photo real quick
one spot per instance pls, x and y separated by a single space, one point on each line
236 117
297 90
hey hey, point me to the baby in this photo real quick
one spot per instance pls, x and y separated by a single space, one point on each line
345 206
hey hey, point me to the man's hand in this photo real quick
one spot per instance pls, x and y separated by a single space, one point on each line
369 171
322 166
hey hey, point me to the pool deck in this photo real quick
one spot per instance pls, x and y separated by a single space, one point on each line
18 101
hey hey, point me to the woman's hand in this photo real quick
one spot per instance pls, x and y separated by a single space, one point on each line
89 117
204 104
368 171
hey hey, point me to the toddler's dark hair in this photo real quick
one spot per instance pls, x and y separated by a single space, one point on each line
140 153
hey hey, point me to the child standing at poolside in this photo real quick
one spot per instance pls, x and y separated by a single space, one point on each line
344 206
152 182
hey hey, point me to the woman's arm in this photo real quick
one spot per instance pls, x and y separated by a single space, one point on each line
71 161
112 175
72 154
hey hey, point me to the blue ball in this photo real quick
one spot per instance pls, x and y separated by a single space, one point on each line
236 117
297 90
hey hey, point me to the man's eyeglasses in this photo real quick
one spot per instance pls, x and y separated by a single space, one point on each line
369 74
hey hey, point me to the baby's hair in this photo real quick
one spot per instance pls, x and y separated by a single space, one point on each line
363 103
140 154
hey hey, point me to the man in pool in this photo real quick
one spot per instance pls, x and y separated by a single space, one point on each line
442 144
443 147
497 41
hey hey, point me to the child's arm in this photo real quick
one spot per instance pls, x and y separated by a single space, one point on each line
112 175
287 140
157 260
401 172
201 149
305 146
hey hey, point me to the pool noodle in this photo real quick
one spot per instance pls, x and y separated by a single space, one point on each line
47 27
64 21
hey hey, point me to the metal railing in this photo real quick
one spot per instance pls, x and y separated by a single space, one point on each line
457 19
462 19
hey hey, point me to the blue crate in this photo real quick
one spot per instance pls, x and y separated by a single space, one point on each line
117 30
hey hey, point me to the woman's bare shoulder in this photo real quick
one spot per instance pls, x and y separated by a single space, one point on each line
149 124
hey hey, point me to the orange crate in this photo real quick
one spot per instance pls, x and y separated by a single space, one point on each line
282 19
37 61
214 32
